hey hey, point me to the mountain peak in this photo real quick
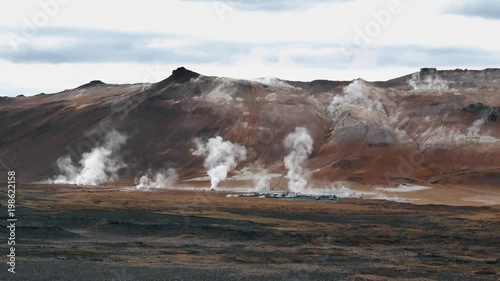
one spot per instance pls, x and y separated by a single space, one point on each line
92 83
179 75
182 74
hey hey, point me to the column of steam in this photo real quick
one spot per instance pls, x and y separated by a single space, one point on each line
220 158
95 167
300 144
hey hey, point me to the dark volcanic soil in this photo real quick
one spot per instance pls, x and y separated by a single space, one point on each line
70 233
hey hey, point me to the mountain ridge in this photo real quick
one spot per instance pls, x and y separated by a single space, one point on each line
182 75
360 129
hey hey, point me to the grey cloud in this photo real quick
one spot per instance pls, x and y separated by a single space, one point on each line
87 45
398 56
271 6
104 46
488 9
418 56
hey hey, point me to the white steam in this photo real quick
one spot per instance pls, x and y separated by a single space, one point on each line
262 180
473 130
220 157
300 144
429 83
356 97
341 190
275 82
99 165
162 179
474 135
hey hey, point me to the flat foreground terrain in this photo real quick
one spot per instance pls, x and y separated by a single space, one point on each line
102 233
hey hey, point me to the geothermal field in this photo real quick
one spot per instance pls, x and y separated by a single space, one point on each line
199 177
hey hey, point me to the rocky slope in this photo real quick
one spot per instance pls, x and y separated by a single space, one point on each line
437 127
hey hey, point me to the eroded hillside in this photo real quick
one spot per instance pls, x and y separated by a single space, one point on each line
438 127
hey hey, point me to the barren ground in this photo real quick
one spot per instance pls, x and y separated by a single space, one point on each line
105 233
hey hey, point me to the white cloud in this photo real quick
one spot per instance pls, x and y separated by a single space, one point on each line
420 21
169 43
294 44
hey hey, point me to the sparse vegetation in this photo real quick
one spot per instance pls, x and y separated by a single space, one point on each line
387 240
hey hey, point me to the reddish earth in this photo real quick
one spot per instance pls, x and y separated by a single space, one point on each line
390 134
417 136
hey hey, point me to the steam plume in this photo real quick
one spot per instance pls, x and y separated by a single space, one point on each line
220 157
430 82
162 179
262 180
355 96
300 145
473 130
99 165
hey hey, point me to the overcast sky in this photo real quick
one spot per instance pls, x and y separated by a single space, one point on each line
52 45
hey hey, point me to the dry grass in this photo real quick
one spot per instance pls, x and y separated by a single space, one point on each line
397 239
